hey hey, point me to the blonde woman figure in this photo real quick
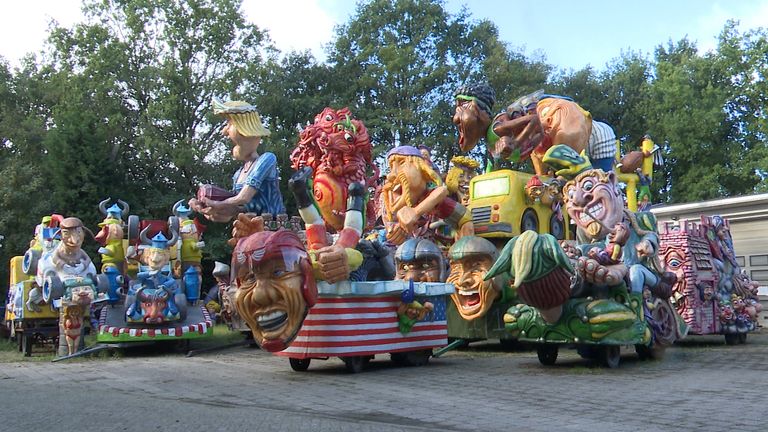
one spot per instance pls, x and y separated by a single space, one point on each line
256 186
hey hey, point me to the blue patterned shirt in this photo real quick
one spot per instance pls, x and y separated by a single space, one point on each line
263 177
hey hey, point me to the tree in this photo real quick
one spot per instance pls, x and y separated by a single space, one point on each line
401 61
687 116
145 72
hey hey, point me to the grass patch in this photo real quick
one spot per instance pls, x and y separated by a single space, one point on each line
9 348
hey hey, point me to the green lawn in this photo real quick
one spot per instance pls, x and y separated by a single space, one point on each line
9 351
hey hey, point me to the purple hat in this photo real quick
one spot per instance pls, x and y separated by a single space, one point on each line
405 150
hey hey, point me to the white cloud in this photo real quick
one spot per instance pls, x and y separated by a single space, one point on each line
295 25
24 25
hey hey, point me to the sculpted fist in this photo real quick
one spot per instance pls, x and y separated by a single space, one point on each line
332 263
245 225
598 274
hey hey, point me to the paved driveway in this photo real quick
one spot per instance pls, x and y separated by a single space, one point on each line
700 385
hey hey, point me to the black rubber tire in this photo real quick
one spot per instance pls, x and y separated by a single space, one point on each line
299 365
731 338
354 364
411 358
547 354
611 356
646 352
742 338
529 221
26 344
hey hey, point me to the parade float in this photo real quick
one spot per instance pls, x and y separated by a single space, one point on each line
712 293
156 298
310 295
28 317
603 290
503 203
53 287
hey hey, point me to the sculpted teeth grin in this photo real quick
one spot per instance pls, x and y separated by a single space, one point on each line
595 210
272 320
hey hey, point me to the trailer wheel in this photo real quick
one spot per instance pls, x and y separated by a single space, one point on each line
652 352
742 338
354 364
731 338
547 354
611 356
300 365
26 344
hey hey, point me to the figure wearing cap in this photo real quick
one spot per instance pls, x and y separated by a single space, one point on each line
111 234
153 295
412 190
190 252
256 183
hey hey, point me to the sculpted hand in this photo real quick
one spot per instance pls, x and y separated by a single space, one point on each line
332 263
408 219
245 225
570 249
598 274
644 249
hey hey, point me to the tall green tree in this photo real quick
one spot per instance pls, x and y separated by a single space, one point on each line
399 63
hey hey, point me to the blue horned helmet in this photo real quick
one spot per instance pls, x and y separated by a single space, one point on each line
420 260
157 255
180 210
115 211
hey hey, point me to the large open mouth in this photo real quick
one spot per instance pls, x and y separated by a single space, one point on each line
469 299
590 213
272 321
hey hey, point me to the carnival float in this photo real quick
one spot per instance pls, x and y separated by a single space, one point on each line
712 293
597 292
558 257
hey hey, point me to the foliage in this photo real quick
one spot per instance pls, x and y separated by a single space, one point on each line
119 105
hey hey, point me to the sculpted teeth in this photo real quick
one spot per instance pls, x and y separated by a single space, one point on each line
595 210
468 293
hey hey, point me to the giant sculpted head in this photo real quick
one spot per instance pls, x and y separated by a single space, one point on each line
339 151
472 117
275 286
471 258
594 202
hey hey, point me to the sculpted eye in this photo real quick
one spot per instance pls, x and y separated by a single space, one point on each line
328 117
348 137
588 185
674 263
570 194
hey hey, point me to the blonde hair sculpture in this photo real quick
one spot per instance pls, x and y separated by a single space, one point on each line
243 115
459 164
426 171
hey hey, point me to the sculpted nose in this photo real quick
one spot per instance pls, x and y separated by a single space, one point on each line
582 198
263 293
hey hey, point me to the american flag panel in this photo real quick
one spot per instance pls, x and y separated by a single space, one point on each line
366 325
